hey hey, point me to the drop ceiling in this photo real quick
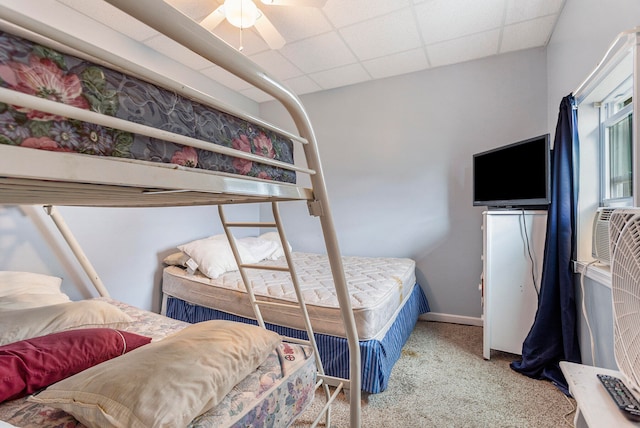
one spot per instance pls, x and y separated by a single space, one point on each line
351 41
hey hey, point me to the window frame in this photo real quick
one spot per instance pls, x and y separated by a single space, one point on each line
610 116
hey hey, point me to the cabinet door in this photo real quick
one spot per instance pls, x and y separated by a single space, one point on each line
513 254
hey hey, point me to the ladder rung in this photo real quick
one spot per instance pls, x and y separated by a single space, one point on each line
250 224
265 267
296 340
334 381
277 304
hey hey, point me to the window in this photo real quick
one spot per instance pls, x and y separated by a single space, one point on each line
616 162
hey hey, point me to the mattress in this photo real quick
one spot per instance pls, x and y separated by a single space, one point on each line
276 393
377 288
36 70
378 356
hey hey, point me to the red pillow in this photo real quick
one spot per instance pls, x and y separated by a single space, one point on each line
30 365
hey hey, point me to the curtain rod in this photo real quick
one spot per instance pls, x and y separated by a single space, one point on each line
596 75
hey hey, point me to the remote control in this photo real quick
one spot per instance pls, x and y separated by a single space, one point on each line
624 399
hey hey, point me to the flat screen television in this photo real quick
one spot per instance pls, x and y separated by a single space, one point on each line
517 175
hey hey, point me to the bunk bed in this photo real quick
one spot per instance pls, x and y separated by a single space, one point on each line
74 148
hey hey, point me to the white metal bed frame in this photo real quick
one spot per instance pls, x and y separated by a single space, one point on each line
31 177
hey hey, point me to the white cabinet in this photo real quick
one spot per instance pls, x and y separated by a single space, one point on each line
513 242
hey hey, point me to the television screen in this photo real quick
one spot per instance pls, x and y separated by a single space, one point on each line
513 176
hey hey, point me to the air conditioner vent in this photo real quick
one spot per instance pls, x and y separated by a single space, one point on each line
601 231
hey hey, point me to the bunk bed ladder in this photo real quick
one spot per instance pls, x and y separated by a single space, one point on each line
323 380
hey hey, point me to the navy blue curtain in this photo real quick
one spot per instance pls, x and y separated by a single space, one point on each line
553 336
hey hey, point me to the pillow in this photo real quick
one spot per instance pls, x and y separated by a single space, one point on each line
213 255
275 237
32 364
176 259
166 383
20 290
23 324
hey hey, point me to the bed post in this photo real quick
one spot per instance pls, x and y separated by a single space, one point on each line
76 249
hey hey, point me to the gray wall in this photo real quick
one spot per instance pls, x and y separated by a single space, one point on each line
126 246
583 34
397 156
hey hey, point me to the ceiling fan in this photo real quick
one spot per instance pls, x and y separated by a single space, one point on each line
246 14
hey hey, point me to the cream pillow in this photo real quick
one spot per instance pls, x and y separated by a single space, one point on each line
214 257
176 259
275 237
21 290
166 383
20 324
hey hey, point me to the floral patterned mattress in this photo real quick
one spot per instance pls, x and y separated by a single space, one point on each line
37 70
273 396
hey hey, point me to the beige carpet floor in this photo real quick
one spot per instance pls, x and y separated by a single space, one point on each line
442 380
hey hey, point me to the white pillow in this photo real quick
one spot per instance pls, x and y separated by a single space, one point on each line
21 324
166 383
21 290
214 257
275 237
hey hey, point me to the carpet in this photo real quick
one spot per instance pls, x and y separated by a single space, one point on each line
442 380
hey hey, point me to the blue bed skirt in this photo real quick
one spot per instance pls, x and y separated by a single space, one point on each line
378 356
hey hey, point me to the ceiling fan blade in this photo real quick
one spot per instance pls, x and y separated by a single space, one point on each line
269 33
308 3
213 19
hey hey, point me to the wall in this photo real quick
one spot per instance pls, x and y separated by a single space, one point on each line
126 246
397 157
583 34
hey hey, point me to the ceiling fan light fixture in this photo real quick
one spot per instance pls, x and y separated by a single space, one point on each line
241 13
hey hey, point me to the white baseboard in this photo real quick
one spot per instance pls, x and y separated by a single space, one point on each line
453 319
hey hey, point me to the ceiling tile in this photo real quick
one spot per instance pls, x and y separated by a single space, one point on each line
318 53
342 76
527 34
400 63
276 64
441 20
257 95
302 85
347 12
388 34
518 10
177 52
195 9
464 48
112 17
225 78
295 23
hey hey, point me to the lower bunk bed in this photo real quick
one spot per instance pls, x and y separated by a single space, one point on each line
385 298
178 379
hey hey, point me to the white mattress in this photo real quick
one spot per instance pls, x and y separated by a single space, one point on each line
378 287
